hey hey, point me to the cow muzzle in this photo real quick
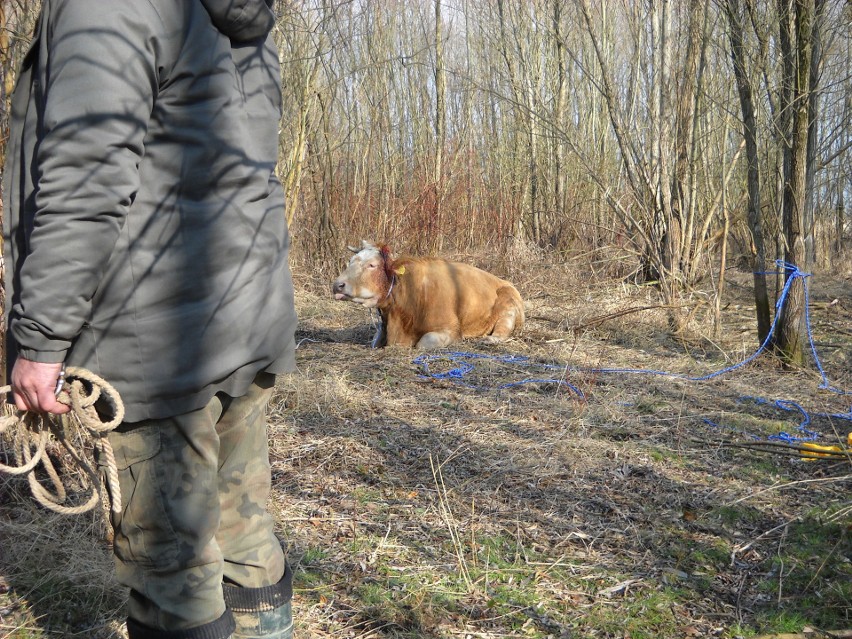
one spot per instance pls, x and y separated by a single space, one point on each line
338 289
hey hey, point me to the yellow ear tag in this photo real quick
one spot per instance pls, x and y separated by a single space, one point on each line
400 270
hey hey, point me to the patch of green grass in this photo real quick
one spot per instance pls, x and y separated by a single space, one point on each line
404 604
649 405
658 455
21 633
758 468
531 595
498 552
365 495
648 615
712 557
415 605
781 622
756 425
683 552
738 631
507 592
311 574
314 555
503 581
738 515
311 579
811 574
56 602
17 619
374 593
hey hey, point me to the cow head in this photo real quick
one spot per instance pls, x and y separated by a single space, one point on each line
368 277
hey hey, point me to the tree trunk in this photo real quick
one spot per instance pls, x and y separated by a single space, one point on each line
559 177
440 121
758 256
532 146
686 104
670 226
293 180
792 332
691 89
813 133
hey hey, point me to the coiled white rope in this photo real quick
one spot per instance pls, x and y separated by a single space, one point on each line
30 434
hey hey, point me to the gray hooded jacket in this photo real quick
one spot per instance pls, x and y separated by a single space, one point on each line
145 236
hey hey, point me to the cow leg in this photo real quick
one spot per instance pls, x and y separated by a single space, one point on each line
435 339
380 339
508 313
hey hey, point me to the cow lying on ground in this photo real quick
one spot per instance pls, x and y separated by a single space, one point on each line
428 302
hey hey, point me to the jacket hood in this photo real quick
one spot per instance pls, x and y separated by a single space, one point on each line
241 20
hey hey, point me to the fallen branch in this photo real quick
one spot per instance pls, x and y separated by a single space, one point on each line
805 450
626 311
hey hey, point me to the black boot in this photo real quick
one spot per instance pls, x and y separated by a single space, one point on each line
262 612
219 629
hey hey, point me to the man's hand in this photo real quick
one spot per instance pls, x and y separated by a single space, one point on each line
34 387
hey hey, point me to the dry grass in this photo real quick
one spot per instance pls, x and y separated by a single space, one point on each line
421 507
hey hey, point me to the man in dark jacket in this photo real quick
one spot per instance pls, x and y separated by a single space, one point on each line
145 241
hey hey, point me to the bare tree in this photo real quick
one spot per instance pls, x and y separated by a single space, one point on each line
744 88
797 27
440 114
520 48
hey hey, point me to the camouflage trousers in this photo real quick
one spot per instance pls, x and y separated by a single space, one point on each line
194 490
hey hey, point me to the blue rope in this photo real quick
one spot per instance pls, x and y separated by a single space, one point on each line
788 406
462 368
792 272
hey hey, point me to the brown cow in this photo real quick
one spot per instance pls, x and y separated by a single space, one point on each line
428 302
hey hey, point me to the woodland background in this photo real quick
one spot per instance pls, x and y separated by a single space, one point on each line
662 130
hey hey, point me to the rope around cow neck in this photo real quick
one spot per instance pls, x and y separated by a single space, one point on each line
30 434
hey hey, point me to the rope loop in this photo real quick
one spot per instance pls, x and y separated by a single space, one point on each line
82 390
30 435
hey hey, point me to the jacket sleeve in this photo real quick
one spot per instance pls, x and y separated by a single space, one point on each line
94 88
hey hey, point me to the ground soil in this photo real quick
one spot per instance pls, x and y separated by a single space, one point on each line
621 475
412 492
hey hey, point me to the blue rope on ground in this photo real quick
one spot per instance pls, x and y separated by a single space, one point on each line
793 274
462 366
785 405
